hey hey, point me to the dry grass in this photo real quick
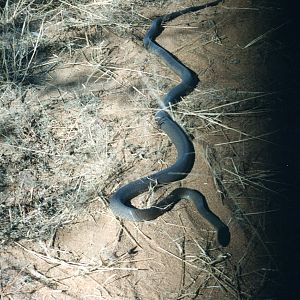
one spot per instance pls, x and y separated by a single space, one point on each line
248 185
59 155
36 136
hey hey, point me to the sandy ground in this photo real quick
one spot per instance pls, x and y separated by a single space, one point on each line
92 130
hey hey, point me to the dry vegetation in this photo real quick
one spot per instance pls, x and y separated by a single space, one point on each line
65 147
40 145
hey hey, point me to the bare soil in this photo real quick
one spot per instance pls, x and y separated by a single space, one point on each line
84 126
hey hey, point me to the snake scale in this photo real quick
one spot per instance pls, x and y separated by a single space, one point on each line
120 202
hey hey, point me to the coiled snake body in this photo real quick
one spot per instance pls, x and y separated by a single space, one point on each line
120 201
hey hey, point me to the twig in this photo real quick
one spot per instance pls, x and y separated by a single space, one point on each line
264 35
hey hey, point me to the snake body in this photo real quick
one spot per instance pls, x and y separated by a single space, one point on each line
120 202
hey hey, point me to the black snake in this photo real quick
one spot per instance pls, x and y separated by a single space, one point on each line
120 201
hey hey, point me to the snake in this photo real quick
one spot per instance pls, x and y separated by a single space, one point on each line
120 201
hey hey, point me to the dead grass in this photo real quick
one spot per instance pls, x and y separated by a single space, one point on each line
36 136
236 180
59 154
